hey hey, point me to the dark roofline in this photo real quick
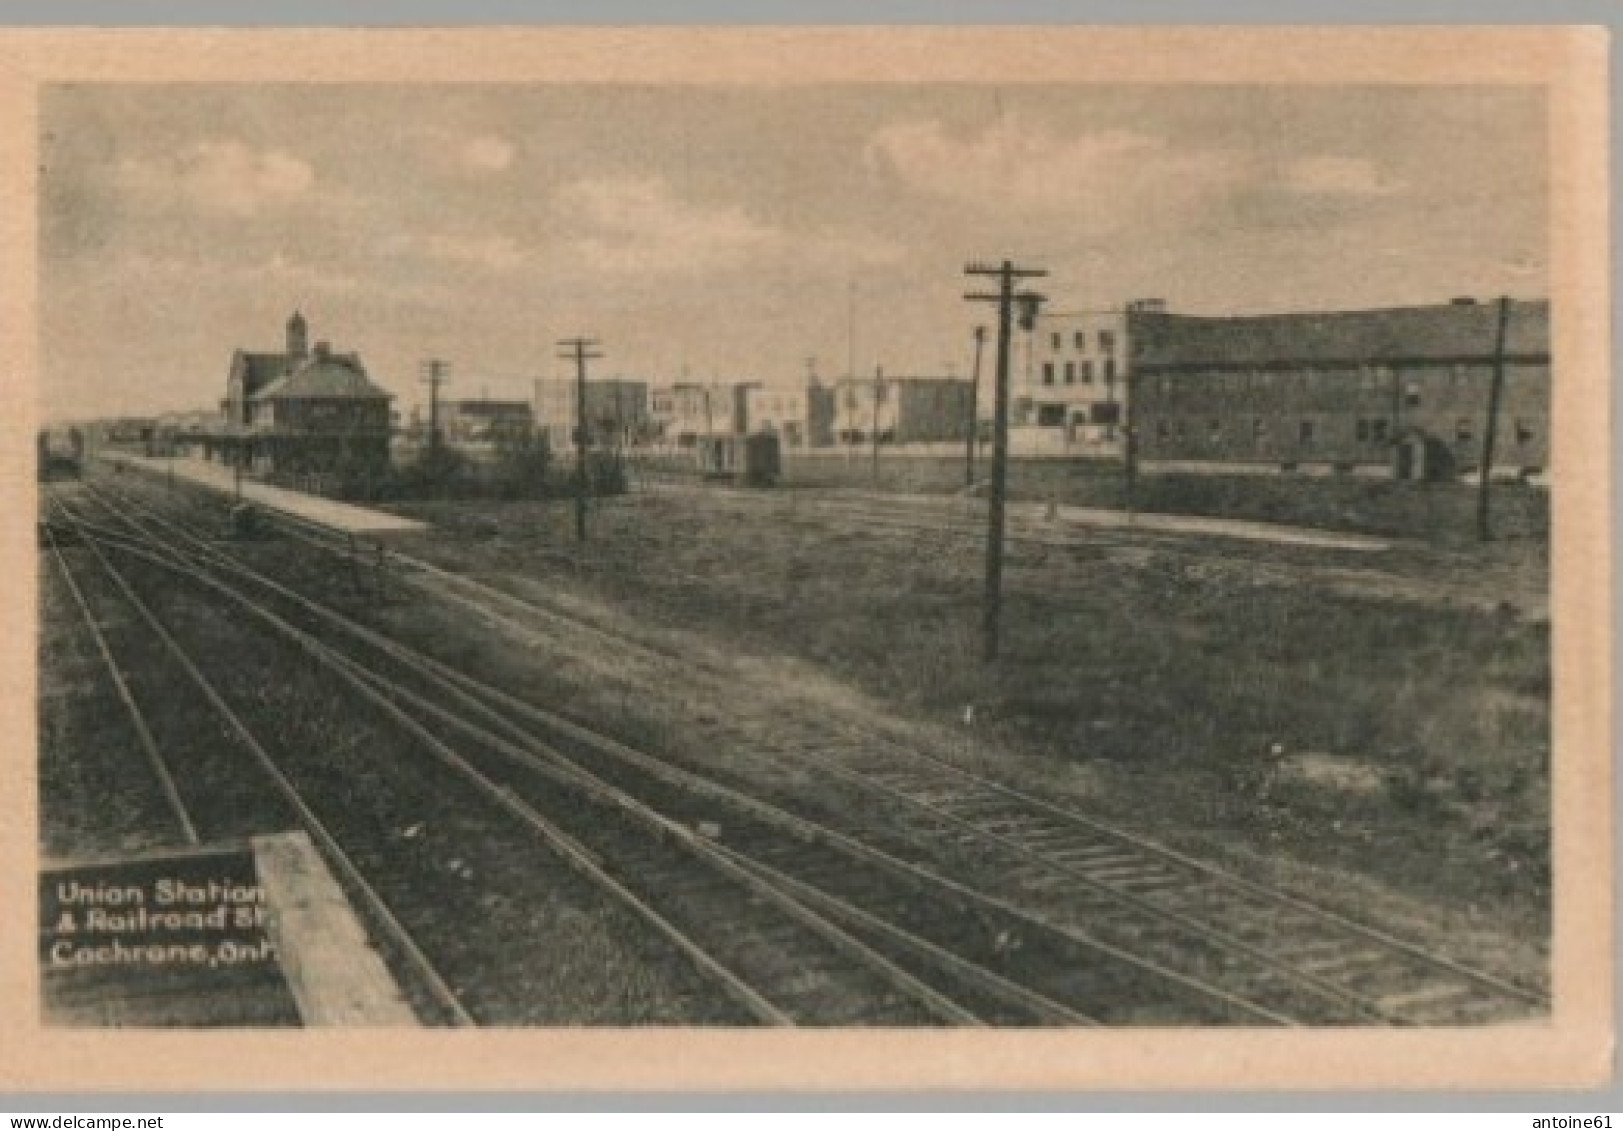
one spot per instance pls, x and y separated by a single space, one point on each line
1319 312
1446 333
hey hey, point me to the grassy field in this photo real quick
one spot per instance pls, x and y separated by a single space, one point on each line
1437 512
1398 729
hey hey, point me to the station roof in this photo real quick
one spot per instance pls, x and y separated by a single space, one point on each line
335 377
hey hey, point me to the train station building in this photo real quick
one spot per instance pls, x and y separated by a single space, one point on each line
302 410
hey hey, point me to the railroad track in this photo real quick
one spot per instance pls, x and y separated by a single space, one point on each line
1067 973
208 716
1062 870
140 728
839 980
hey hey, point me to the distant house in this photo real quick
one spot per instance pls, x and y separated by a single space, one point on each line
1401 391
483 420
302 410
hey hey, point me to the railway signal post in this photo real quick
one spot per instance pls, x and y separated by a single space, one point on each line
581 350
1006 274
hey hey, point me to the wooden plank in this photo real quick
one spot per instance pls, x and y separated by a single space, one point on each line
335 975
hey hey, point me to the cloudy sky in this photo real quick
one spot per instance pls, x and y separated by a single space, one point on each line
725 231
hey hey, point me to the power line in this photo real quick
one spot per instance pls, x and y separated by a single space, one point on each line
580 349
1006 274
434 373
1495 390
974 409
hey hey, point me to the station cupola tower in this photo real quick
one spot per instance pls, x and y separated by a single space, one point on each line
298 341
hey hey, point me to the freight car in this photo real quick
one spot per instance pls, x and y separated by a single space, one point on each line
61 453
755 460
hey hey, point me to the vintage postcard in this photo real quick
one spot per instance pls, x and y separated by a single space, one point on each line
807 558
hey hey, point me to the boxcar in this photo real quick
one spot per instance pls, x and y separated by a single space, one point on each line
754 460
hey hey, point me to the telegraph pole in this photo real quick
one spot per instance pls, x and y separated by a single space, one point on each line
974 409
878 392
580 349
1489 433
1006 274
434 374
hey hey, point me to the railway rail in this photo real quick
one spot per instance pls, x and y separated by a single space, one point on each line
876 989
1073 873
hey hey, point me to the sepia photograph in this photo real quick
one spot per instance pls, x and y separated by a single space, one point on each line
1018 554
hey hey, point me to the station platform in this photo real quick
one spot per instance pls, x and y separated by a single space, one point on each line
346 518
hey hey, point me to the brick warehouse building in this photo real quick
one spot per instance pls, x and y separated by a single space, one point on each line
1400 391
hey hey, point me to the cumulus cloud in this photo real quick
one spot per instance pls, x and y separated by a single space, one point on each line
280 271
1338 176
1103 178
488 154
227 177
492 252
638 225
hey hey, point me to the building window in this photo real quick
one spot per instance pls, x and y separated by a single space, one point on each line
1107 341
1080 340
1050 415
1110 371
1070 372
1411 395
1304 433
1087 371
1462 431
1058 341
1524 431
1048 372
1377 430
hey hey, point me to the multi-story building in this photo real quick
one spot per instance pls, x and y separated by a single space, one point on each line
901 410
1070 397
1402 391
782 412
681 413
617 411
819 414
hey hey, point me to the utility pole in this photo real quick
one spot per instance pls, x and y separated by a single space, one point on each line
434 373
1489 433
878 395
1006 273
974 410
580 349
